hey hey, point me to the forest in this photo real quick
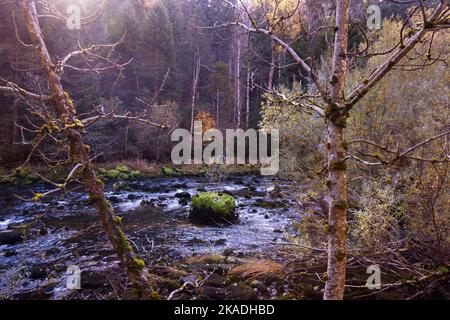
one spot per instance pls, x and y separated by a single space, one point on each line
316 163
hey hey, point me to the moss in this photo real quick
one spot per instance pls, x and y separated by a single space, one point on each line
102 170
87 148
167 171
70 103
338 165
37 197
342 204
340 255
123 176
112 174
135 174
122 168
221 205
154 295
20 172
118 220
140 264
124 244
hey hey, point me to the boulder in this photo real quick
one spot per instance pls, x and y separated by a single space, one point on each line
112 174
10 236
122 168
168 171
213 208
183 194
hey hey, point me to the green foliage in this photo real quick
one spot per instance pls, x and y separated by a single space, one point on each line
376 219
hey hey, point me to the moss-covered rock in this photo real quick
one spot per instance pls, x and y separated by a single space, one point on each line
135 174
113 174
102 170
168 171
122 168
123 176
213 208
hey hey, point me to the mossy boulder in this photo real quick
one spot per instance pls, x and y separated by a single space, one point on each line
113 174
102 171
213 208
168 171
122 168
135 174
123 176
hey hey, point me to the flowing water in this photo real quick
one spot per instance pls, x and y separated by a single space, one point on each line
63 232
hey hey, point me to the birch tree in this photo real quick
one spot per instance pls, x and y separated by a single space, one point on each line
335 106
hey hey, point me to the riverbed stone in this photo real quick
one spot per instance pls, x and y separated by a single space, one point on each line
183 194
213 208
10 237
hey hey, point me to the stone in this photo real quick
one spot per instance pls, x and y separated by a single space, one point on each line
213 208
10 237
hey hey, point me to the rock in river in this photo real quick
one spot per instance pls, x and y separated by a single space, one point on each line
213 208
10 236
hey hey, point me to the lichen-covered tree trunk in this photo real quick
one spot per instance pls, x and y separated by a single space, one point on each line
337 180
79 155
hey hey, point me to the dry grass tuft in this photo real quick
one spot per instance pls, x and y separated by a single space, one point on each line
205 259
262 269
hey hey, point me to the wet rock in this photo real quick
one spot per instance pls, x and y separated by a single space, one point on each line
9 253
38 272
213 208
266 204
201 189
183 201
256 284
133 196
278 231
215 280
213 293
114 199
147 203
43 231
10 236
93 279
220 242
196 241
228 252
183 195
240 291
121 186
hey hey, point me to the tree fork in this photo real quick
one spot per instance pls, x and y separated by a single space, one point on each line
134 267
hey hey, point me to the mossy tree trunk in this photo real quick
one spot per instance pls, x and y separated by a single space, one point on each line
337 179
63 109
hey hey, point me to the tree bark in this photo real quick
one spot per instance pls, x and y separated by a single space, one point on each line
237 81
195 79
272 65
134 267
247 100
337 178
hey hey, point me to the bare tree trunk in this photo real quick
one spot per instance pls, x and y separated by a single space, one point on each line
272 66
247 100
217 104
195 78
237 81
337 179
64 110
